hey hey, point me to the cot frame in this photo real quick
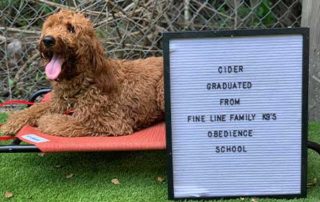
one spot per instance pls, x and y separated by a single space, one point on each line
15 146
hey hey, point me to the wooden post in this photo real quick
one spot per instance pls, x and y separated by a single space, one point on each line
311 18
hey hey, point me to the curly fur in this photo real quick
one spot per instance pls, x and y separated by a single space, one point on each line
109 97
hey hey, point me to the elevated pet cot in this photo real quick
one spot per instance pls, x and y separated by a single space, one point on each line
152 138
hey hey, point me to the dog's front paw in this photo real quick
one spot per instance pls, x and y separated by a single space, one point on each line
14 123
9 129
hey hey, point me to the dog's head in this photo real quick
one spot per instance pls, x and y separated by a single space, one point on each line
67 44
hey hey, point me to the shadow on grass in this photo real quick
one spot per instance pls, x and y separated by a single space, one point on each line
130 163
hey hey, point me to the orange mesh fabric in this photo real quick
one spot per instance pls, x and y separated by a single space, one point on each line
152 138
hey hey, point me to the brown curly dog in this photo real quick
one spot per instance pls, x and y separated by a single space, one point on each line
107 96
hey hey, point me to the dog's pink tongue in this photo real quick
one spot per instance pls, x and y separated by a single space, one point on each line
53 68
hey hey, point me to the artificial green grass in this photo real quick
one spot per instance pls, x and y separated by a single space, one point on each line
87 176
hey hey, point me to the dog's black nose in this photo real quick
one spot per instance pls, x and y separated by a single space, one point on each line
48 41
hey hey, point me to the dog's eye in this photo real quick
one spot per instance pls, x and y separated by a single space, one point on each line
70 28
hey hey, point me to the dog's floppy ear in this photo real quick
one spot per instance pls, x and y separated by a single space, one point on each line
104 78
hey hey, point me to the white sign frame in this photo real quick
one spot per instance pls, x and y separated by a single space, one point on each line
167 39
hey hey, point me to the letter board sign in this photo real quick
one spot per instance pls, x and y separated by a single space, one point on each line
236 113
